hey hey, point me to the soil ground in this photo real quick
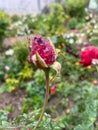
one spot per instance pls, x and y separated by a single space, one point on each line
12 102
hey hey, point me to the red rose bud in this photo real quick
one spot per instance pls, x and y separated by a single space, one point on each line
88 54
53 89
42 52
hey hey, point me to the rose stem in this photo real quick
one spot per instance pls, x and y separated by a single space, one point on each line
45 100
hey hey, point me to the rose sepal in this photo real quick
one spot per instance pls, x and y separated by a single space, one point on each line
57 67
39 61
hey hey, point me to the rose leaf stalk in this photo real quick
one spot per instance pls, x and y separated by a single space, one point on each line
45 99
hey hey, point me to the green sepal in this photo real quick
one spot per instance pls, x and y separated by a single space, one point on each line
57 67
40 62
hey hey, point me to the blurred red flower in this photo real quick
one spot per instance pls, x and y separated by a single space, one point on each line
53 89
88 54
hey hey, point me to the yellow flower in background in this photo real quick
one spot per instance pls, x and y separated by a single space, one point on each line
67 17
77 63
57 32
59 46
89 67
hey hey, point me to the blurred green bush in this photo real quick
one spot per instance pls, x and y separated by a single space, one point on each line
75 8
4 23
